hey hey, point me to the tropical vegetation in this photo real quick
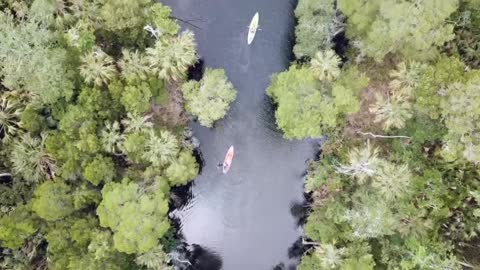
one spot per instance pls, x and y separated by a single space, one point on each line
397 185
88 155
209 98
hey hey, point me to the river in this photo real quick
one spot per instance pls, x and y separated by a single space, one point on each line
245 216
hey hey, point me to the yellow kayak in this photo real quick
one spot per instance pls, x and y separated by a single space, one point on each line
252 29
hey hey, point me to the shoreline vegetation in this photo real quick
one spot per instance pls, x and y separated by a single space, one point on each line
93 132
397 185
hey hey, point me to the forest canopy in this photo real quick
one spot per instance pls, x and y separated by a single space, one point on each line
394 86
88 155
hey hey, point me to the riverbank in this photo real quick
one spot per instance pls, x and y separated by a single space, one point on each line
397 182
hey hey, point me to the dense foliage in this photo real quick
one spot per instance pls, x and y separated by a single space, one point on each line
398 182
317 25
308 106
210 98
412 29
86 165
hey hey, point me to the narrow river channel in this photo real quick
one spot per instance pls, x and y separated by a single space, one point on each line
245 216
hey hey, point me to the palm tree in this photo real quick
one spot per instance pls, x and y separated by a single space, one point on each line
10 112
171 56
161 149
111 137
31 161
406 78
330 256
133 64
154 259
363 163
393 111
137 123
391 181
325 65
97 67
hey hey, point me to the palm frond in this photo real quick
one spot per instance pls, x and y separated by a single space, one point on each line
31 161
97 67
137 123
10 112
393 111
111 137
325 65
162 148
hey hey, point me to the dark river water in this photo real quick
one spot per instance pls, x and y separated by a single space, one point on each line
245 216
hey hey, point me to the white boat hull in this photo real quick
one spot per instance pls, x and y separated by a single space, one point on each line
252 29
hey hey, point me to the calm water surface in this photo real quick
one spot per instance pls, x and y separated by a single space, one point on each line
245 216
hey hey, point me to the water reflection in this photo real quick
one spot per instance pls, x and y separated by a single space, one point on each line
245 217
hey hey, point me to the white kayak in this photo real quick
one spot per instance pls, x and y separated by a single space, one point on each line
228 160
252 29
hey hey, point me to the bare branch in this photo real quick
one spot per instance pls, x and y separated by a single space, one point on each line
5 175
466 265
304 242
382 136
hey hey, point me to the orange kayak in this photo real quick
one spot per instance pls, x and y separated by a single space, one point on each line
228 159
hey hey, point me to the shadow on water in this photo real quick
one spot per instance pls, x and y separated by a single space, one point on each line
196 71
204 259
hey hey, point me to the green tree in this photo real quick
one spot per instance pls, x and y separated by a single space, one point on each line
161 18
137 218
97 67
81 36
210 98
134 146
86 195
97 103
461 111
300 103
16 227
183 169
346 90
31 61
124 14
467 21
316 26
308 107
136 98
413 29
433 82
171 56
53 201
31 120
79 243
100 169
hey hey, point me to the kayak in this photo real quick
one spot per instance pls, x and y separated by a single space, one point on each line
228 159
252 29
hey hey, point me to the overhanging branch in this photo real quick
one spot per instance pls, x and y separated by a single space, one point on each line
383 136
